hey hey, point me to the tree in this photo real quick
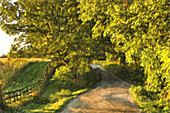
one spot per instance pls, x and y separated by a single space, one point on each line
49 29
3 56
41 25
141 32
97 14
92 13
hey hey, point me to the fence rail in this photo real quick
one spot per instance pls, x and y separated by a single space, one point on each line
13 96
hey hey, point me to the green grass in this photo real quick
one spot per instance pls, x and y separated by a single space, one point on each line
53 99
26 75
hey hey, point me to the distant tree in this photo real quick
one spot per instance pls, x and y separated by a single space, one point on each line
3 56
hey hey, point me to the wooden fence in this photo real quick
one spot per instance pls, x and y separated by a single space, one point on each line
17 95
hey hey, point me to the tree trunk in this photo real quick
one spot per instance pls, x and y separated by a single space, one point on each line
123 59
75 72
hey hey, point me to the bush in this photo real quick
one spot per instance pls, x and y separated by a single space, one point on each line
63 73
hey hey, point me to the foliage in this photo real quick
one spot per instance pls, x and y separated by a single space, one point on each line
127 73
92 14
63 73
139 30
85 77
42 25
142 30
50 29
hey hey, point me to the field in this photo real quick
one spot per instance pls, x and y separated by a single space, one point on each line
24 59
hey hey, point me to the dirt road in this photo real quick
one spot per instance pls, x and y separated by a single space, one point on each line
111 95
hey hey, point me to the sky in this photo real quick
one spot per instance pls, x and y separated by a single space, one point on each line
5 42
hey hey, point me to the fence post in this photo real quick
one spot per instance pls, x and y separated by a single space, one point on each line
20 95
14 94
17 96
10 97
